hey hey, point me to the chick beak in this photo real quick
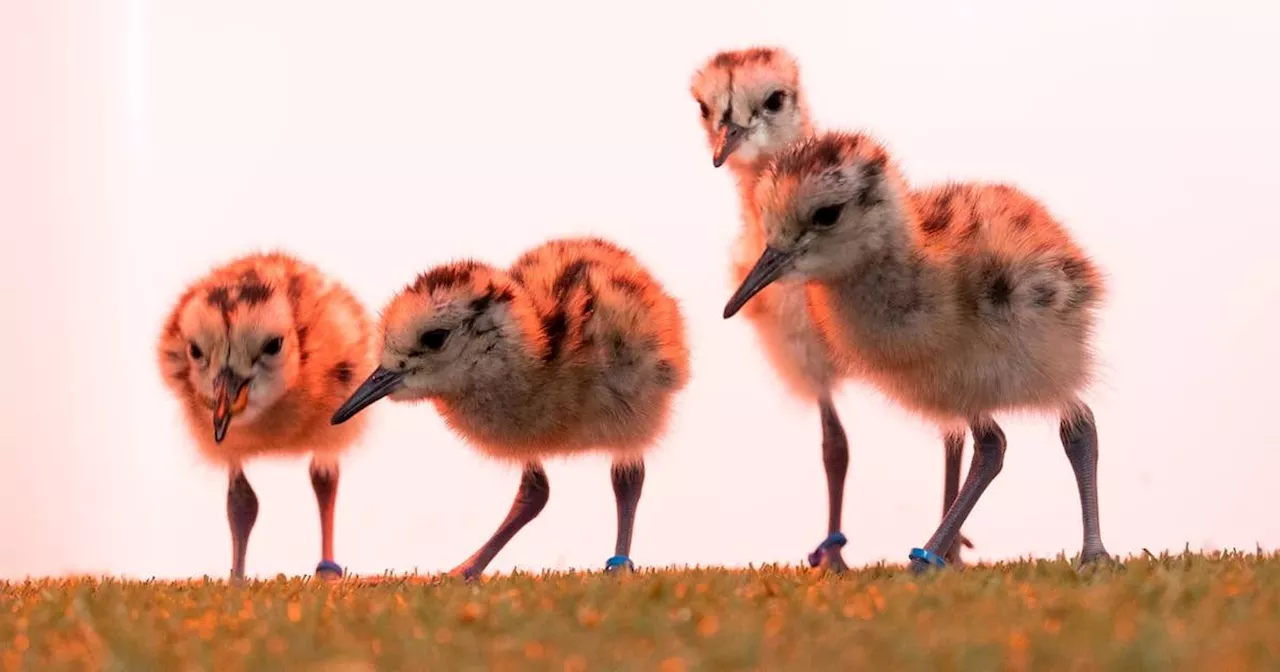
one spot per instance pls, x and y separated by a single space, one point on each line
230 396
731 135
379 384
771 265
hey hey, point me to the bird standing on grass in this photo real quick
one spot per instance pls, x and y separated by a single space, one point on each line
260 352
753 106
575 348
958 302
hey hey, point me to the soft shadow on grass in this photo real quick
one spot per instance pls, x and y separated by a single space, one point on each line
1187 611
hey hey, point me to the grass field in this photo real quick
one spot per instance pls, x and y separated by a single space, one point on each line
1219 612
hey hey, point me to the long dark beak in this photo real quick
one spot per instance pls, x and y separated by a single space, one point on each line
767 269
230 396
379 384
730 137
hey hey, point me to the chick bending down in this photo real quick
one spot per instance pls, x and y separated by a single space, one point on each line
958 302
575 348
260 352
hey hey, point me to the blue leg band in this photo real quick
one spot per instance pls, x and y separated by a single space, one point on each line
330 567
927 557
618 561
833 540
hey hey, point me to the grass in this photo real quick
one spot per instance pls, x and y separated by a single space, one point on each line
1188 611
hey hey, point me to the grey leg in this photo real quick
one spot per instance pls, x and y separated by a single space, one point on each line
628 481
988 459
534 492
1079 435
835 458
324 480
242 513
953 445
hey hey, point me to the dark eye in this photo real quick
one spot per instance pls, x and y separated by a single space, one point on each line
196 352
272 347
434 339
774 102
827 216
706 111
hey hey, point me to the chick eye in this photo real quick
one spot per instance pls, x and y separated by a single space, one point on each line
826 216
774 102
706 111
434 339
272 347
194 350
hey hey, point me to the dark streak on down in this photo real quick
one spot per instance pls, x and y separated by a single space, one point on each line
450 275
872 177
734 59
1000 290
343 372
481 303
295 289
666 373
504 296
555 326
254 293
938 217
570 276
303 353
220 298
1043 295
1082 291
251 277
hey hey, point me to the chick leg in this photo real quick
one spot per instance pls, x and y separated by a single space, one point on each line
628 481
988 459
1079 435
835 457
324 480
953 445
242 513
534 492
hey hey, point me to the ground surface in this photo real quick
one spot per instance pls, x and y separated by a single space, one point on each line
1219 612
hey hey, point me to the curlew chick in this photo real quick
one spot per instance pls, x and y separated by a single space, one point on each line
260 352
575 348
958 302
753 106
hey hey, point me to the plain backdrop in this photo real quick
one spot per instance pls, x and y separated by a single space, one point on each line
142 141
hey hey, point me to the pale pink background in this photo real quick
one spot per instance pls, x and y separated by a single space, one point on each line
143 140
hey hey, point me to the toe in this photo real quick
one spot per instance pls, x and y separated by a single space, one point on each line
834 563
1095 558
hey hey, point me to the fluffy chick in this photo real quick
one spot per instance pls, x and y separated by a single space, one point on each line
959 302
259 352
574 348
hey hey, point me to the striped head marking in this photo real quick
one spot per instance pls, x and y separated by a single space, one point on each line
232 342
826 203
751 103
443 333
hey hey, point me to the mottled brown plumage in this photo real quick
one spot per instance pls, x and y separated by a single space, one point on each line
259 353
752 106
574 348
958 301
